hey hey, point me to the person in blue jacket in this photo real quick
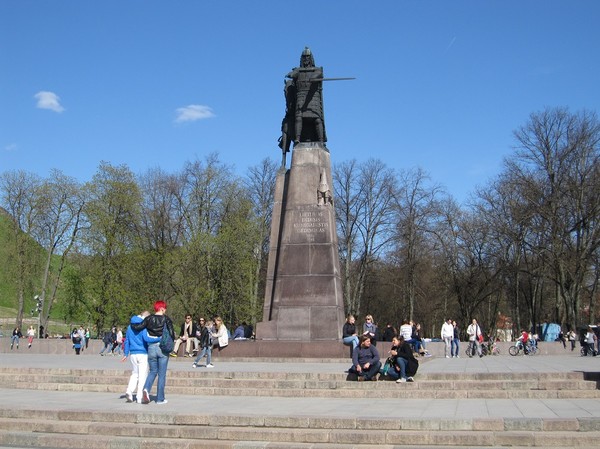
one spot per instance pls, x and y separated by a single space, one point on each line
136 348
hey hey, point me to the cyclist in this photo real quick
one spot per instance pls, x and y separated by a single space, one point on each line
523 340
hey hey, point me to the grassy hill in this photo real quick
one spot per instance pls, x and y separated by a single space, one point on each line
8 291
8 287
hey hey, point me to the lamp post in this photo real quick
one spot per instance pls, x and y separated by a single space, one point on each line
39 308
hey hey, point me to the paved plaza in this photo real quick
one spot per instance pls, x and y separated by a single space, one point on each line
314 406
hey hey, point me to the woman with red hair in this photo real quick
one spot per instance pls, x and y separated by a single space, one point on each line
158 361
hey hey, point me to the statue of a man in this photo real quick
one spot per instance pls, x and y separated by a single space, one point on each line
304 118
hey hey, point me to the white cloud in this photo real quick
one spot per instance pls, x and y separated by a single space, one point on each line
11 147
48 100
192 113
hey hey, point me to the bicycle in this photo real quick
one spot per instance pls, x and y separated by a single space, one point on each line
492 348
527 349
588 350
472 349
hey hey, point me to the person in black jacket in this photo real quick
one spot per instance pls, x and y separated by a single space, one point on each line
187 335
349 335
16 334
157 360
205 340
405 363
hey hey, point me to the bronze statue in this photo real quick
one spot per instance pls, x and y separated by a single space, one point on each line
304 119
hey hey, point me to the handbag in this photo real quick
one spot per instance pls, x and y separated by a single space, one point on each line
166 342
387 365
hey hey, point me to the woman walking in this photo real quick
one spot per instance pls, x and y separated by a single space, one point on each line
158 361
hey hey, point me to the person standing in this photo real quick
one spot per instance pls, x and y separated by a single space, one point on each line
455 341
76 339
81 332
474 332
136 348
88 335
447 336
157 360
14 339
30 336
108 339
572 336
204 335
117 346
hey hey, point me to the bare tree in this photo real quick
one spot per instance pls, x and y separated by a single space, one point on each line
557 164
414 206
469 268
260 183
363 201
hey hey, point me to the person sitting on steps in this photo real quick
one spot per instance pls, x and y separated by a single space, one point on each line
365 360
405 363
187 335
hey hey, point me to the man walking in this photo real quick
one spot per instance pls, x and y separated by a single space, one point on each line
474 332
447 336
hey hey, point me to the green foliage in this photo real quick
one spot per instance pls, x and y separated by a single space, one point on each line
8 289
8 282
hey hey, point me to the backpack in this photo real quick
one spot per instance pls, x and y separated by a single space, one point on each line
166 341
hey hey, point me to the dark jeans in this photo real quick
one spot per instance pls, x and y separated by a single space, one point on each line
369 373
455 347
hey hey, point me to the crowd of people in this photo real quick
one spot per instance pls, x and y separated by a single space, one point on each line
146 344
401 363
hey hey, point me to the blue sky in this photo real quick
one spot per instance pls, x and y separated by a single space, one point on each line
439 85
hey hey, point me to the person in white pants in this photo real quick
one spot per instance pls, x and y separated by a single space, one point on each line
136 348
447 336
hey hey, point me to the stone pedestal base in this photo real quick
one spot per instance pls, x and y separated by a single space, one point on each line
303 295
281 349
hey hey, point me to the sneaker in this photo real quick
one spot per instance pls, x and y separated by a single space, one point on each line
210 365
145 397
447 356
173 354
194 365
128 397
457 356
164 401
401 380
410 379
427 354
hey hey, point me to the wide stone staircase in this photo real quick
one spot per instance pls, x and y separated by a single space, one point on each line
152 426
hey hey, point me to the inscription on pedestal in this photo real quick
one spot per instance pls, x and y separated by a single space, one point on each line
311 224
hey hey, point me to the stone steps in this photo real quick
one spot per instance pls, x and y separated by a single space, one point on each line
572 385
120 425
103 429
